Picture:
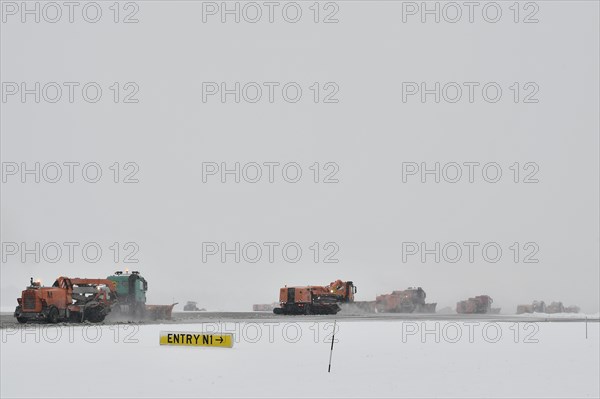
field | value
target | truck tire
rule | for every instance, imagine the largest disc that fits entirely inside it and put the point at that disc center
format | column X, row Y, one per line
column 75, row 317
column 53, row 315
column 97, row 319
column 22, row 320
column 95, row 314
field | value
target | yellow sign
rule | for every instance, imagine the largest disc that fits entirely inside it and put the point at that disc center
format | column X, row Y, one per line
column 178, row 338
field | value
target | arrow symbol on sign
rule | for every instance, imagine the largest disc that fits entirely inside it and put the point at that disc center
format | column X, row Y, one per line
column 220, row 339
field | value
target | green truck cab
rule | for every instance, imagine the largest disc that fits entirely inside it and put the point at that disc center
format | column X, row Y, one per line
column 131, row 293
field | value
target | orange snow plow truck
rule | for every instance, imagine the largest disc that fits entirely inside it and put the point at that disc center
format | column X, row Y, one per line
column 315, row 299
column 69, row 299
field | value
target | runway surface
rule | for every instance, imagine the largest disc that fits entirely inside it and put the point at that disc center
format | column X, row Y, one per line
column 8, row 321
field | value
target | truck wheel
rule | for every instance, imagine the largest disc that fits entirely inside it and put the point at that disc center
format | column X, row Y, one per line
column 95, row 314
column 74, row 317
column 53, row 315
column 22, row 320
column 97, row 318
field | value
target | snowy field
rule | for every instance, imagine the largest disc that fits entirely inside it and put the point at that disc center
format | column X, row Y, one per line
column 289, row 359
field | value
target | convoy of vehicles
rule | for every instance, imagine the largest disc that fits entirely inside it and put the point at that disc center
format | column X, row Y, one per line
column 123, row 295
column 534, row 307
column 541, row 307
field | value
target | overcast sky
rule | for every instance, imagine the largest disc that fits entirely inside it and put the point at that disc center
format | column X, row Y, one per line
column 367, row 127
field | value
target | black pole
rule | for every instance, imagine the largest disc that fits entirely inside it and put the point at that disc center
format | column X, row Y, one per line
column 331, row 350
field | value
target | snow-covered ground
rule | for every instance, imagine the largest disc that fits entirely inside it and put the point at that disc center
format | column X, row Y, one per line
column 289, row 359
column 559, row 315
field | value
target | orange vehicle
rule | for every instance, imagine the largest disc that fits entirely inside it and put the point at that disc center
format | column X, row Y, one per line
column 479, row 304
column 411, row 300
column 535, row 307
column 315, row 299
column 69, row 299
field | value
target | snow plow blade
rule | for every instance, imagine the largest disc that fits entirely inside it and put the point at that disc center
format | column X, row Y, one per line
column 157, row 312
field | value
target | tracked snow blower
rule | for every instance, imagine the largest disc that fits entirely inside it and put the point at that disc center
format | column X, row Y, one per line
column 315, row 299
